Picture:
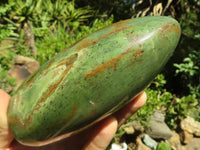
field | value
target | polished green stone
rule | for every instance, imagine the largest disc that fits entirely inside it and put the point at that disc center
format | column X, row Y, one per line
column 92, row 78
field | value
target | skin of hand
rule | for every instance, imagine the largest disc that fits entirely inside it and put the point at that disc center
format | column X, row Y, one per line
column 96, row 137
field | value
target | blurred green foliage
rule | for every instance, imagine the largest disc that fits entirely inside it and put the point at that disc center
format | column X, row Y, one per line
column 163, row 146
column 6, row 81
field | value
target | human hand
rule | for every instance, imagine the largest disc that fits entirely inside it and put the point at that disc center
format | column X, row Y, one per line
column 96, row 137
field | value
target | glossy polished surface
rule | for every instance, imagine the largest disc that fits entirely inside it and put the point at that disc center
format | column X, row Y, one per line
column 92, row 78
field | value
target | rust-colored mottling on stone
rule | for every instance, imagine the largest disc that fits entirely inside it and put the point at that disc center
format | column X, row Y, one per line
column 50, row 63
column 28, row 82
column 118, row 24
column 15, row 121
column 70, row 115
column 70, row 60
column 169, row 28
column 44, row 96
column 109, row 64
column 65, row 120
column 47, row 93
column 86, row 43
column 114, row 30
column 138, row 52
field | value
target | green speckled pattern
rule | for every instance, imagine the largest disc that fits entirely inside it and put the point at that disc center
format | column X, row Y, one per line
column 91, row 78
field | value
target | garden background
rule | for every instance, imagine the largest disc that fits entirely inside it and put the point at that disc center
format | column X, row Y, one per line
column 40, row 29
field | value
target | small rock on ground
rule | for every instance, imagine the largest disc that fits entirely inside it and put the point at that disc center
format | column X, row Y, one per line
column 186, row 137
column 158, row 129
column 191, row 126
column 22, row 68
column 193, row 145
column 175, row 141
column 141, row 145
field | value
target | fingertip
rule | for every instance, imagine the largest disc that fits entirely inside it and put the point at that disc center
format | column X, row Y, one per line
column 140, row 100
column 129, row 109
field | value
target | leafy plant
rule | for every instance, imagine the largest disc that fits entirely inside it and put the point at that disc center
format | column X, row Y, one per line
column 25, row 10
column 158, row 83
column 189, row 71
column 188, row 67
column 163, row 146
column 6, row 25
column 63, row 13
column 179, row 108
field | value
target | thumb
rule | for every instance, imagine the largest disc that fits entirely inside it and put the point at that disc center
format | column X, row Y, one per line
column 6, row 136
